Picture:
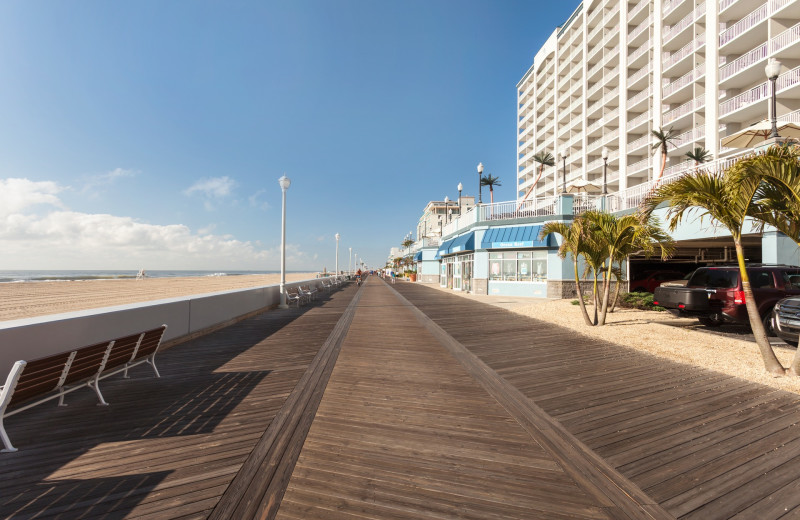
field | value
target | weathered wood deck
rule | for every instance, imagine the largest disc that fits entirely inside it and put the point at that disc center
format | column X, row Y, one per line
column 366, row 406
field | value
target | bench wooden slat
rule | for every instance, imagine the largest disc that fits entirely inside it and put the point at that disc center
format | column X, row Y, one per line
column 88, row 362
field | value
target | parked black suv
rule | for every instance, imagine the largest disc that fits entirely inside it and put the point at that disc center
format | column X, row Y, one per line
column 715, row 296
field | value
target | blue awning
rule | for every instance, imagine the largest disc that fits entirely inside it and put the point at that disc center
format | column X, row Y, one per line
column 443, row 248
column 512, row 237
column 418, row 256
column 465, row 242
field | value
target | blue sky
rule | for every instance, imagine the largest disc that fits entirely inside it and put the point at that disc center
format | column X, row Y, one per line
column 152, row 134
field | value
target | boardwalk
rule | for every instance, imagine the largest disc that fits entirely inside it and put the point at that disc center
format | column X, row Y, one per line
column 408, row 402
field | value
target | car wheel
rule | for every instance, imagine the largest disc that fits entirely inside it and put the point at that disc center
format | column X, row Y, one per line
column 709, row 322
column 768, row 325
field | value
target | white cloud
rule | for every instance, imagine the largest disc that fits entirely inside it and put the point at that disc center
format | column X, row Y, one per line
column 93, row 183
column 17, row 195
column 216, row 187
column 38, row 232
column 255, row 202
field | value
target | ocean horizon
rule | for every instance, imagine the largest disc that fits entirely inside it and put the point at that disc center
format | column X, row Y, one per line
column 42, row 275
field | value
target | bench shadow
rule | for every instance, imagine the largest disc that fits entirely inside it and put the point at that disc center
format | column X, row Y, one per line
column 196, row 391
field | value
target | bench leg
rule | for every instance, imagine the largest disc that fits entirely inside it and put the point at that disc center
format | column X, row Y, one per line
column 152, row 360
column 95, row 385
column 6, row 441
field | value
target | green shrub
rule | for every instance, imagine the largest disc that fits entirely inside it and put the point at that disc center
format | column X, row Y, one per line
column 638, row 300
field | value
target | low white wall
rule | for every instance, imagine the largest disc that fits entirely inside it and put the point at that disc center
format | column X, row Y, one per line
column 33, row 338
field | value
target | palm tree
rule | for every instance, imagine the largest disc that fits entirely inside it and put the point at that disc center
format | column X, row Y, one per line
column 491, row 181
column 407, row 243
column 572, row 244
column 726, row 197
column 699, row 155
column 619, row 237
column 544, row 159
column 777, row 201
column 663, row 139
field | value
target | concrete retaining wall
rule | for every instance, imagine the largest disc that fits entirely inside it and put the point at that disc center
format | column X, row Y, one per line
column 33, row 338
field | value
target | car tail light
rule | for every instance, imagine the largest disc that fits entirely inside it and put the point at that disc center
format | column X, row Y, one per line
column 738, row 297
column 681, row 306
column 655, row 302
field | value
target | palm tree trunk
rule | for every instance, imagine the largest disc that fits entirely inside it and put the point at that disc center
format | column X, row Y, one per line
column 541, row 170
column 616, row 292
column 580, row 292
column 663, row 162
column 771, row 363
column 606, row 293
column 594, row 294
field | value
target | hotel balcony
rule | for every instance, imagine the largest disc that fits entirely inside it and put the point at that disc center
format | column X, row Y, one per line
column 641, row 78
column 677, row 91
column 746, row 107
column 638, row 11
column 672, row 10
column 638, row 144
column 754, row 24
column 635, row 124
column 673, row 116
column 641, row 55
column 640, row 100
column 676, row 63
column 744, row 70
column 640, row 33
column 671, row 33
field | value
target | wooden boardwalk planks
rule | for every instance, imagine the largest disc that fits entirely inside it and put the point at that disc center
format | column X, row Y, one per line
column 169, row 447
column 405, row 432
column 704, row 445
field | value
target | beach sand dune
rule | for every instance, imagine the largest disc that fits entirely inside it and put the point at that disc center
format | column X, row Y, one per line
column 30, row 299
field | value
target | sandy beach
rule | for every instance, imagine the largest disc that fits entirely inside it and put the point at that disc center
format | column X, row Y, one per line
column 29, row 299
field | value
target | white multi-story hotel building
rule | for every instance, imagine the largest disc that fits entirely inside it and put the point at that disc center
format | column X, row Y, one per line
column 618, row 69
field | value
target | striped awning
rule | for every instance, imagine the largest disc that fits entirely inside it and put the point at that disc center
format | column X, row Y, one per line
column 465, row 242
column 513, row 237
column 443, row 248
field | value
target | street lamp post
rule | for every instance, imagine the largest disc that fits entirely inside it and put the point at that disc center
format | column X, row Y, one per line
column 460, row 187
column 480, row 178
column 337, row 254
column 350, row 261
column 564, row 172
column 284, row 183
column 604, row 155
column 773, row 69
column 450, row 215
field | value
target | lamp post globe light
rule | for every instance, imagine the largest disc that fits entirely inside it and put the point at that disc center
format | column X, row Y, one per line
column 604, row 155
column 772, row 70
column 460, row 187
column 284, row 183
column 563, row 154
column 337, row 253
column 480, row 177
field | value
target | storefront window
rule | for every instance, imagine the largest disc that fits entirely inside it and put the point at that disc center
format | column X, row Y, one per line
column 518, row 266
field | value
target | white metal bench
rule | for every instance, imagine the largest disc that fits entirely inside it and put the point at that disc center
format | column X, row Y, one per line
column 34, row 382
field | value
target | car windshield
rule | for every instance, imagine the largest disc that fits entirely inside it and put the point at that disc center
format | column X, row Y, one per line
column 715, row 278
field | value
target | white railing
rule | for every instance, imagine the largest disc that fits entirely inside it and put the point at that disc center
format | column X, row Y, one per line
column 638, row 7
column 774, row 5
column 743, row 62
column 671, row 59
column 638, row 143
column 744, row 24
column 670, row 6
column 639, row 166
column 641, row 118
column 759, row 92
column 640, row 73
column 679, row 83
column 640, row 28
column 791, row 117
column 784, row 39
column 684, row 109
column 638, row 52
column 538, row 207
column 724, row 4
column 671, row 30
column 638, row 97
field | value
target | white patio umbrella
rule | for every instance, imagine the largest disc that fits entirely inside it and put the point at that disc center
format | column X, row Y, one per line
column 583, row 185
column 755, row 134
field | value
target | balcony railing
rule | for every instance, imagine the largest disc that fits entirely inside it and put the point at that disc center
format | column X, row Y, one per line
column 636, row 121
column 641, row 27
column 684, row 109
column 671, row 30
column 784, row 39
column 638, row 7
column 638, row 143
column 679, row 83
column 745, row 24
column 670, row 6
column 675, row 57
column 743, row 62
column 638, row 52
column 639, row 96
column 759, row 92
column 724, row 4
column 640, row 73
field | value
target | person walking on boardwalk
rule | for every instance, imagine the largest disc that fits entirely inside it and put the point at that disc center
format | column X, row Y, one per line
column 393, row 275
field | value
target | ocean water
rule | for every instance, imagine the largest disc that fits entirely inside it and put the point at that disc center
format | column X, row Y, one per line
column 69, row 276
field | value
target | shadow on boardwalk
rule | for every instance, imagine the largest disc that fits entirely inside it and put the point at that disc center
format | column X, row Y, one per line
column 166, row 447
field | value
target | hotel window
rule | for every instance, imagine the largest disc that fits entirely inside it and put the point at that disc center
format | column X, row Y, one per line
column 518, row 266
